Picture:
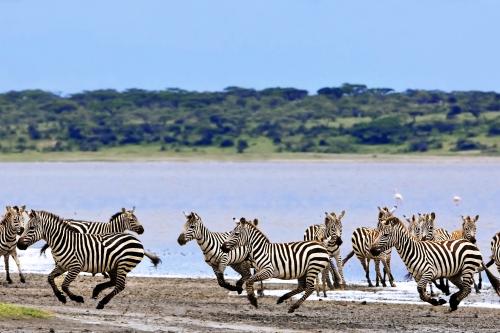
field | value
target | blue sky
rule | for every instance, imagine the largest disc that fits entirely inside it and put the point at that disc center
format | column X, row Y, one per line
column 70, row 46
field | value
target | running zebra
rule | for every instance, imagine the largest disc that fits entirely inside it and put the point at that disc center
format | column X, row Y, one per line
column 298, row 260
column 495, row 252
column 321, row 233
column 456, row 260
column 362, row 240
column 210, row 244
column 74, row 252
column 118, row 223
column 10, row 226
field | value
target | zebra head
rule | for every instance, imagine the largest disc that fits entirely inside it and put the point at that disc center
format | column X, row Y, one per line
column 239, row 236
column 469, row 228
column 14, row 218
column 414, row 224
column 386, row 237
column 427, row 229
column 129, row 220
column 192, row 228
column 384, row 213
column 333, row 225
column 33, row 232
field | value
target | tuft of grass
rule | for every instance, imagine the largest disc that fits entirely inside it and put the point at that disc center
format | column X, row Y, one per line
column 21, row 312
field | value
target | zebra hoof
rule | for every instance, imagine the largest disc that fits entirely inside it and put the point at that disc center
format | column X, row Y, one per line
column 9, row 281
column 441, row 301
column 22, row 280
column 61, row 298
column 253, row 300
column 78, row 299
column 239, row 290
column 292, row 309
column 393, row 285
column 100, row 306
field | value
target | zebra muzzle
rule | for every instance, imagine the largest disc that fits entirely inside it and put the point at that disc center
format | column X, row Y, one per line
column 339, row 241
column 22, row 244
column 225, row 248
column 375, row 251
column 182, row 239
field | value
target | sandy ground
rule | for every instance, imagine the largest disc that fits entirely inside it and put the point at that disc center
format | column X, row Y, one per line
column 193, row 305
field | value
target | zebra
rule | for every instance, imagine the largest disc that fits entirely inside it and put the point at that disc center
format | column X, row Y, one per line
column 457, row 260
column 74, row 252
column 118, row 223
column 321, row 233
column 11, row 226
column 495, row 252
column 362, row 239
column 210, row 244
column 467, row 232
column 298, row 260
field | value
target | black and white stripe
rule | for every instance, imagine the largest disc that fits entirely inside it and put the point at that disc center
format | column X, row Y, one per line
column 74, row 252
column 210, row 244
column 298, row 260
column 495, row 251
column 11, row 226
column 456, row 260
column 362, row 240
column 322, row 233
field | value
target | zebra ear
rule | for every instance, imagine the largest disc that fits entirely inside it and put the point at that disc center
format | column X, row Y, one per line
column 393, row 220
column 123, row 210
column 380, row 214
column 342, row 213
column 255, row 222
column 133, row 209
column 23, row 208
column 433, row 216
column 476, row 218
column 7, row 208
column 32, row 213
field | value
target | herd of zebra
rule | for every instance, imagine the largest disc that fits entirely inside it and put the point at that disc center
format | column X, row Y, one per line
column 429, row 254
column 76, row 246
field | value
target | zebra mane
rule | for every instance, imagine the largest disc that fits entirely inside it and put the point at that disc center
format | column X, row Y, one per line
column 115, row 216
column 251, row 225
column 5, row 218
column 58, row 219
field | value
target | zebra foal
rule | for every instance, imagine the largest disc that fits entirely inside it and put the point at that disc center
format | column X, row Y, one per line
column 11, row 226
column 74, row 252
column 457, row 260
column 210, row 244
column 298, row 260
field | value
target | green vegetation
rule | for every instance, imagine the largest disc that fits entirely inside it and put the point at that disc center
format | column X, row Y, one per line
column 350, row 119
column 21, row 312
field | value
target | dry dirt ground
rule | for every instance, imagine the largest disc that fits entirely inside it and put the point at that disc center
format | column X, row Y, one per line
column 200, row 305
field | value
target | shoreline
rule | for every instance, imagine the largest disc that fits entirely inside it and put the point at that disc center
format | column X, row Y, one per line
column 200, row 305
column 242, row 158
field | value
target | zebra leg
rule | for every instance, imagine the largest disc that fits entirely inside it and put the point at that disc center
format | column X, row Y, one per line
column 244, row 270
column 325, row 276
column 263, row 274
column 379, row 276
column 16, row 259
column 464, row 284
column 444, row 287
column 337, row 278
column 387, row 269
column 300, row 288
column 309, row 288
column 366, row 267
column 70, row 277
column 44, row 248
column 340, row 267
column 422, row 290
column 121, row 275
column 7, row 274
column 57, row 271
column 101, row 286
column 477, row 287
column 316, row 285
column 329, row 283
column 221, row 281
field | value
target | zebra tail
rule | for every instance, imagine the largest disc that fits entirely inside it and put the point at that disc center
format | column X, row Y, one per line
column 349, row 256
column 154, row 258
column 490, row 262
column 495, row 283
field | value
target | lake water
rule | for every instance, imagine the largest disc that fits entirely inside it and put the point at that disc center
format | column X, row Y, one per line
column 285, row 196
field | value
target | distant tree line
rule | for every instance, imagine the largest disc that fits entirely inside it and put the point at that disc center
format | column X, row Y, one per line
column 347, row 119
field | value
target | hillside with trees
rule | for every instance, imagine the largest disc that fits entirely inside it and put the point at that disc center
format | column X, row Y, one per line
column 351, row 118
